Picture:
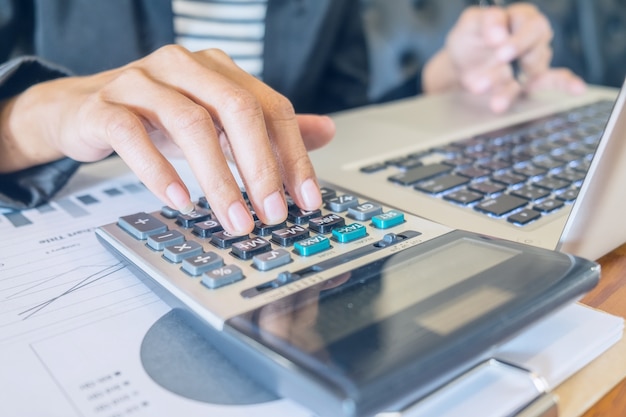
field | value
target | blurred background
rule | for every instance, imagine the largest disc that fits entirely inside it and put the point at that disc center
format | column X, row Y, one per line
column 589, row 38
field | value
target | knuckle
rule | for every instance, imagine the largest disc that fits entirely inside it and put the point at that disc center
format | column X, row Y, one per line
column 130, row 75
column 217, row 54
column 280, row 107
column 242, row 102
column 191, row 118
column 171, row 53
column 122, row 128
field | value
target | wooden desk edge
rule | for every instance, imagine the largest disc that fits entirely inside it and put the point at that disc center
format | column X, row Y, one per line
column 602, row 384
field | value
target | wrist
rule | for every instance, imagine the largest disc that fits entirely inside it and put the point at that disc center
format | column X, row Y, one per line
column 22, row 144
column 440, row 74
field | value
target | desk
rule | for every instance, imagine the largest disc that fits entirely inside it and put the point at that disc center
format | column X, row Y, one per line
column 610, row 296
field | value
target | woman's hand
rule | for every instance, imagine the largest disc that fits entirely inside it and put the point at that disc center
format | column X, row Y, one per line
column 481, row 50
column 174, row 101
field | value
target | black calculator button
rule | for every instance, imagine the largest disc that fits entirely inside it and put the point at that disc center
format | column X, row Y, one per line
column 298, row 216
column 248, row 248
column 207, row 228
column 189, row 219
column 326, row 224
column 263, row 229
column 225, row 240
column 289, row 235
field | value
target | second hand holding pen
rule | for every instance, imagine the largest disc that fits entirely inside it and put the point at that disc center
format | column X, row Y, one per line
column 500, row 3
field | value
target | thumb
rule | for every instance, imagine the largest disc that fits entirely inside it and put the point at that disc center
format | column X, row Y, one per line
column 316, row 130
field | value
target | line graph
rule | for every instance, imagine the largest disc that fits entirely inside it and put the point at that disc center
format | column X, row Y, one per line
column 106, row 271
column 55, row 276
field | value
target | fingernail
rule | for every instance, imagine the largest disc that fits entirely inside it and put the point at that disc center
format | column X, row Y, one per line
column 240, row 218
column 275, row 208
column 310, row 193
column 179, row 197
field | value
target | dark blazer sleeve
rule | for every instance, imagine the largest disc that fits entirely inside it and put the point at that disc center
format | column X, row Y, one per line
column 56, row 38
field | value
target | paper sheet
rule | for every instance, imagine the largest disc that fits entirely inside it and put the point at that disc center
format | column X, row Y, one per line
column 73, row 318
column 81, row 336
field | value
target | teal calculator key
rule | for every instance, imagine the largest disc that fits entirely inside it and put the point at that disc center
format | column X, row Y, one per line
column 389, row 219
column 349, row 232
column 312, row 245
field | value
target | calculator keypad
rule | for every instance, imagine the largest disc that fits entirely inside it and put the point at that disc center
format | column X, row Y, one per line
column 192, row 252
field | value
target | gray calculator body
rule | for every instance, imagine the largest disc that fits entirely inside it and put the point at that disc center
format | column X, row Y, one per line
column 364, row 325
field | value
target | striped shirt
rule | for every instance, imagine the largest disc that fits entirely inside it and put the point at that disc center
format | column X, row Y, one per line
column 235, row 26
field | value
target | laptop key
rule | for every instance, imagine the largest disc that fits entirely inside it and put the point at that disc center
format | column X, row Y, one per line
column 548, row 205
column 441, row 184
column 530, row 192
column 421, row 173
column 500, row 205
column 463, row 197
column 486, row 187
column 551, row 183
column 568, row 195
column 524, row 217
column 509, row 178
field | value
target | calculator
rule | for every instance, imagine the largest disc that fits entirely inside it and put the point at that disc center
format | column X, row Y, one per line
column 353, row 309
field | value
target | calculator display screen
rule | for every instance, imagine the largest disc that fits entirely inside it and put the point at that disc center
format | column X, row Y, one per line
column 403, row 306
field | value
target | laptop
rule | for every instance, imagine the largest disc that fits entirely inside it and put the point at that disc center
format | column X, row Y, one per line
column 551, row 172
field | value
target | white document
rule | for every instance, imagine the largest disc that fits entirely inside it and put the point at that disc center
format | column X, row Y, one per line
column 81, row 336
column 73, row 318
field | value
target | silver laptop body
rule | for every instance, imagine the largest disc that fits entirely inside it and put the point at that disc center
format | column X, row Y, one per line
column 590, row 226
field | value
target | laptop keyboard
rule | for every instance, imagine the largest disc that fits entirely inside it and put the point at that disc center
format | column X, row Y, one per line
column 520, row 173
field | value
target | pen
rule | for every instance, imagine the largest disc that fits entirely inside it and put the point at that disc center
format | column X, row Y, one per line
column 487, row 3
column 500, row 3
